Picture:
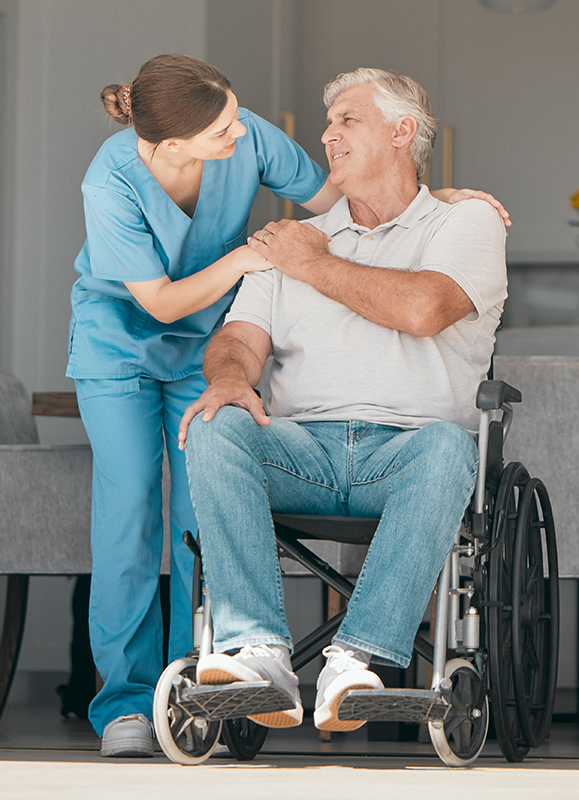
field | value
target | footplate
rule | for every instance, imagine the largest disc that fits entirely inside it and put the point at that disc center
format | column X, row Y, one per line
column 233, row 700
column 393, row 705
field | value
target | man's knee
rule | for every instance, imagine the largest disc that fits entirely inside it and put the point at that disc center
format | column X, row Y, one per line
column 447, row 447
column 208, row 441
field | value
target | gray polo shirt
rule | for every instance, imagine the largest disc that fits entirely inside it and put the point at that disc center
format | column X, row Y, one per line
column 329, row 363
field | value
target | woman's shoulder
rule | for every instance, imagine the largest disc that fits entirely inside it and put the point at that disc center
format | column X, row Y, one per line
column 255, row 124
column 116, row 153
column 263, row 137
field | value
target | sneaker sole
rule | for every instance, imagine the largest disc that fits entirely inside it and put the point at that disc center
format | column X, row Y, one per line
column 326, row 716
column 218, row 675
column 130, row 748
column 280, row 719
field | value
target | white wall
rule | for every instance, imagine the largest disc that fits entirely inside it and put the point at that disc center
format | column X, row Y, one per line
column 68, row 50
column 60, row 54
column 509, row 83
column 253, row 43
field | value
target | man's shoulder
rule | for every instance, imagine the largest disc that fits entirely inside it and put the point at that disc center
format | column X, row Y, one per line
column 476, row 210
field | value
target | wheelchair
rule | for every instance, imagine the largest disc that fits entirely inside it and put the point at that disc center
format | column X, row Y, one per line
column 495, row 638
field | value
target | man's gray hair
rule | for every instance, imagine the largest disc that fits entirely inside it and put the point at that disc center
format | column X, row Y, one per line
column 396, row 96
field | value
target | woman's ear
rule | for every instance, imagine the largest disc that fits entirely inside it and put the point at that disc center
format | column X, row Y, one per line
column 171, row 145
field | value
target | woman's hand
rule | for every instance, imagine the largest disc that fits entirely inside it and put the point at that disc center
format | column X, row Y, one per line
column 250, row 261
column 456, row 195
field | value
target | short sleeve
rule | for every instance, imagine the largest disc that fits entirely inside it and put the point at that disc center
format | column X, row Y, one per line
column 254, row 301
column 284, row 166
column 469, row 247
column 121, row 246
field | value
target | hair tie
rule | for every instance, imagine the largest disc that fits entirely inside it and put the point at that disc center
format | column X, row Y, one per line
column 127, row 98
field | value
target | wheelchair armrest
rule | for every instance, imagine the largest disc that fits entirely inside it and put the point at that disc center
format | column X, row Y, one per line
column 494, row 395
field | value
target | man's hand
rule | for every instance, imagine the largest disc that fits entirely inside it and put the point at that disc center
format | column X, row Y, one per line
column 223, row 392
column 293, row 247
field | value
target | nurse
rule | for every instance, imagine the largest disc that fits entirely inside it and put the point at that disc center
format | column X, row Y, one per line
column 166, row 207
column 166, row 203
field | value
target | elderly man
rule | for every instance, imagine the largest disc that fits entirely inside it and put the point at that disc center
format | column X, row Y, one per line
column 380, row 318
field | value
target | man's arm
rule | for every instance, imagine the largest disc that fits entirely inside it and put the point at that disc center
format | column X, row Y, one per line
column 419, row 303
column 233, row 364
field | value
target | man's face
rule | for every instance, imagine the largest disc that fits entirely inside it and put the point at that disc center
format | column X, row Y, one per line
column 357, row 139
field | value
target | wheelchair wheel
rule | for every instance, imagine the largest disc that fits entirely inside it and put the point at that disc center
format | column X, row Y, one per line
column 499, row 627
column 244, row 738
column 535, row 615
column 461, row 737
column 185, row 739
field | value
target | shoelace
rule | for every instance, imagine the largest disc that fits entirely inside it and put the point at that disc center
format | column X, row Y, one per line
column 341, row 660
column 260, row 651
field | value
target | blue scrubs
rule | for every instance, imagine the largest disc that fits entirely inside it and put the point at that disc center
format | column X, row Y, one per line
column 135, row 376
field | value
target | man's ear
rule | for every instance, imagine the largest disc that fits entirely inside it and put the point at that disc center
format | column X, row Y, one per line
column 404, row 131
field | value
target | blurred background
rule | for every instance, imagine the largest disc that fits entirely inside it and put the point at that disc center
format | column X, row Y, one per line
column 504, row 85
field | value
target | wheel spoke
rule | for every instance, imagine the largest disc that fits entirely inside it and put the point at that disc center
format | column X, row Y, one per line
column 533, row 660
column 185, row 727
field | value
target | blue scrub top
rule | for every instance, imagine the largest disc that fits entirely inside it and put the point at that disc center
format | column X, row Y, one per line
column 135, row 232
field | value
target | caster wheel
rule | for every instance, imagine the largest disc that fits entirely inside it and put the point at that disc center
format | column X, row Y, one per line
column 461, row 737
column 185, row 739
column 244, row 738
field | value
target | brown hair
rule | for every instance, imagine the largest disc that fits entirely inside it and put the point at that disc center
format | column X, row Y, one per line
column 173, row 96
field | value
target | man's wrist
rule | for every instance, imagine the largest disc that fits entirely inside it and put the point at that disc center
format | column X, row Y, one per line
column 319, row 269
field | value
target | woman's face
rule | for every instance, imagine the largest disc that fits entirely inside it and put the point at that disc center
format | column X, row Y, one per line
column 218, row 140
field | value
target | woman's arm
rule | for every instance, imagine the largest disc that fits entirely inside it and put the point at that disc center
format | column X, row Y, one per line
column 323, row 200
column 329, row 194
column 168, row 300
column 456, row 195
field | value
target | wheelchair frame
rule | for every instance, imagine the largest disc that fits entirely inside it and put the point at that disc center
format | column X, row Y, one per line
column 502, row 643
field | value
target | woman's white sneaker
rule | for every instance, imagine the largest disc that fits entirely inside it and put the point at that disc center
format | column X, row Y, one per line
column 342, row 673
column 130, row 736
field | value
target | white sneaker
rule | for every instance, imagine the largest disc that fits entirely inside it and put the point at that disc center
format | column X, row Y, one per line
column 252, row 664
column 341, row 673
column 130, row 736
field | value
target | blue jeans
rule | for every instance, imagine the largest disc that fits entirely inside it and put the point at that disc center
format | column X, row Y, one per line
column 417, row 481
column 127, row 422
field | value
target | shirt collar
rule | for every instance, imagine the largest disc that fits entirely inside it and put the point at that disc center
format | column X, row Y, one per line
column 339, row 217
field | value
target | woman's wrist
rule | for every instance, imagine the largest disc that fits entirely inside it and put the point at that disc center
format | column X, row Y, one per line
column 236, row 264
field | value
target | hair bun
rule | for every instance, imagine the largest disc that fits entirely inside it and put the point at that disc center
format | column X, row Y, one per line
column 116, row 101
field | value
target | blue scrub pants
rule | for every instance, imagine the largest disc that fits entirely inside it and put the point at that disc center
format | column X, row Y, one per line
column 125, row 420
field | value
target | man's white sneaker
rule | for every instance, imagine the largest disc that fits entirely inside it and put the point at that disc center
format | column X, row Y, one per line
column 252, row 664
column 342, row 672
column 130, row 736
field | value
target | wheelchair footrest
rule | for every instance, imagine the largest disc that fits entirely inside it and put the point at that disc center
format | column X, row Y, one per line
column 232, row 700
column 393, row 705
